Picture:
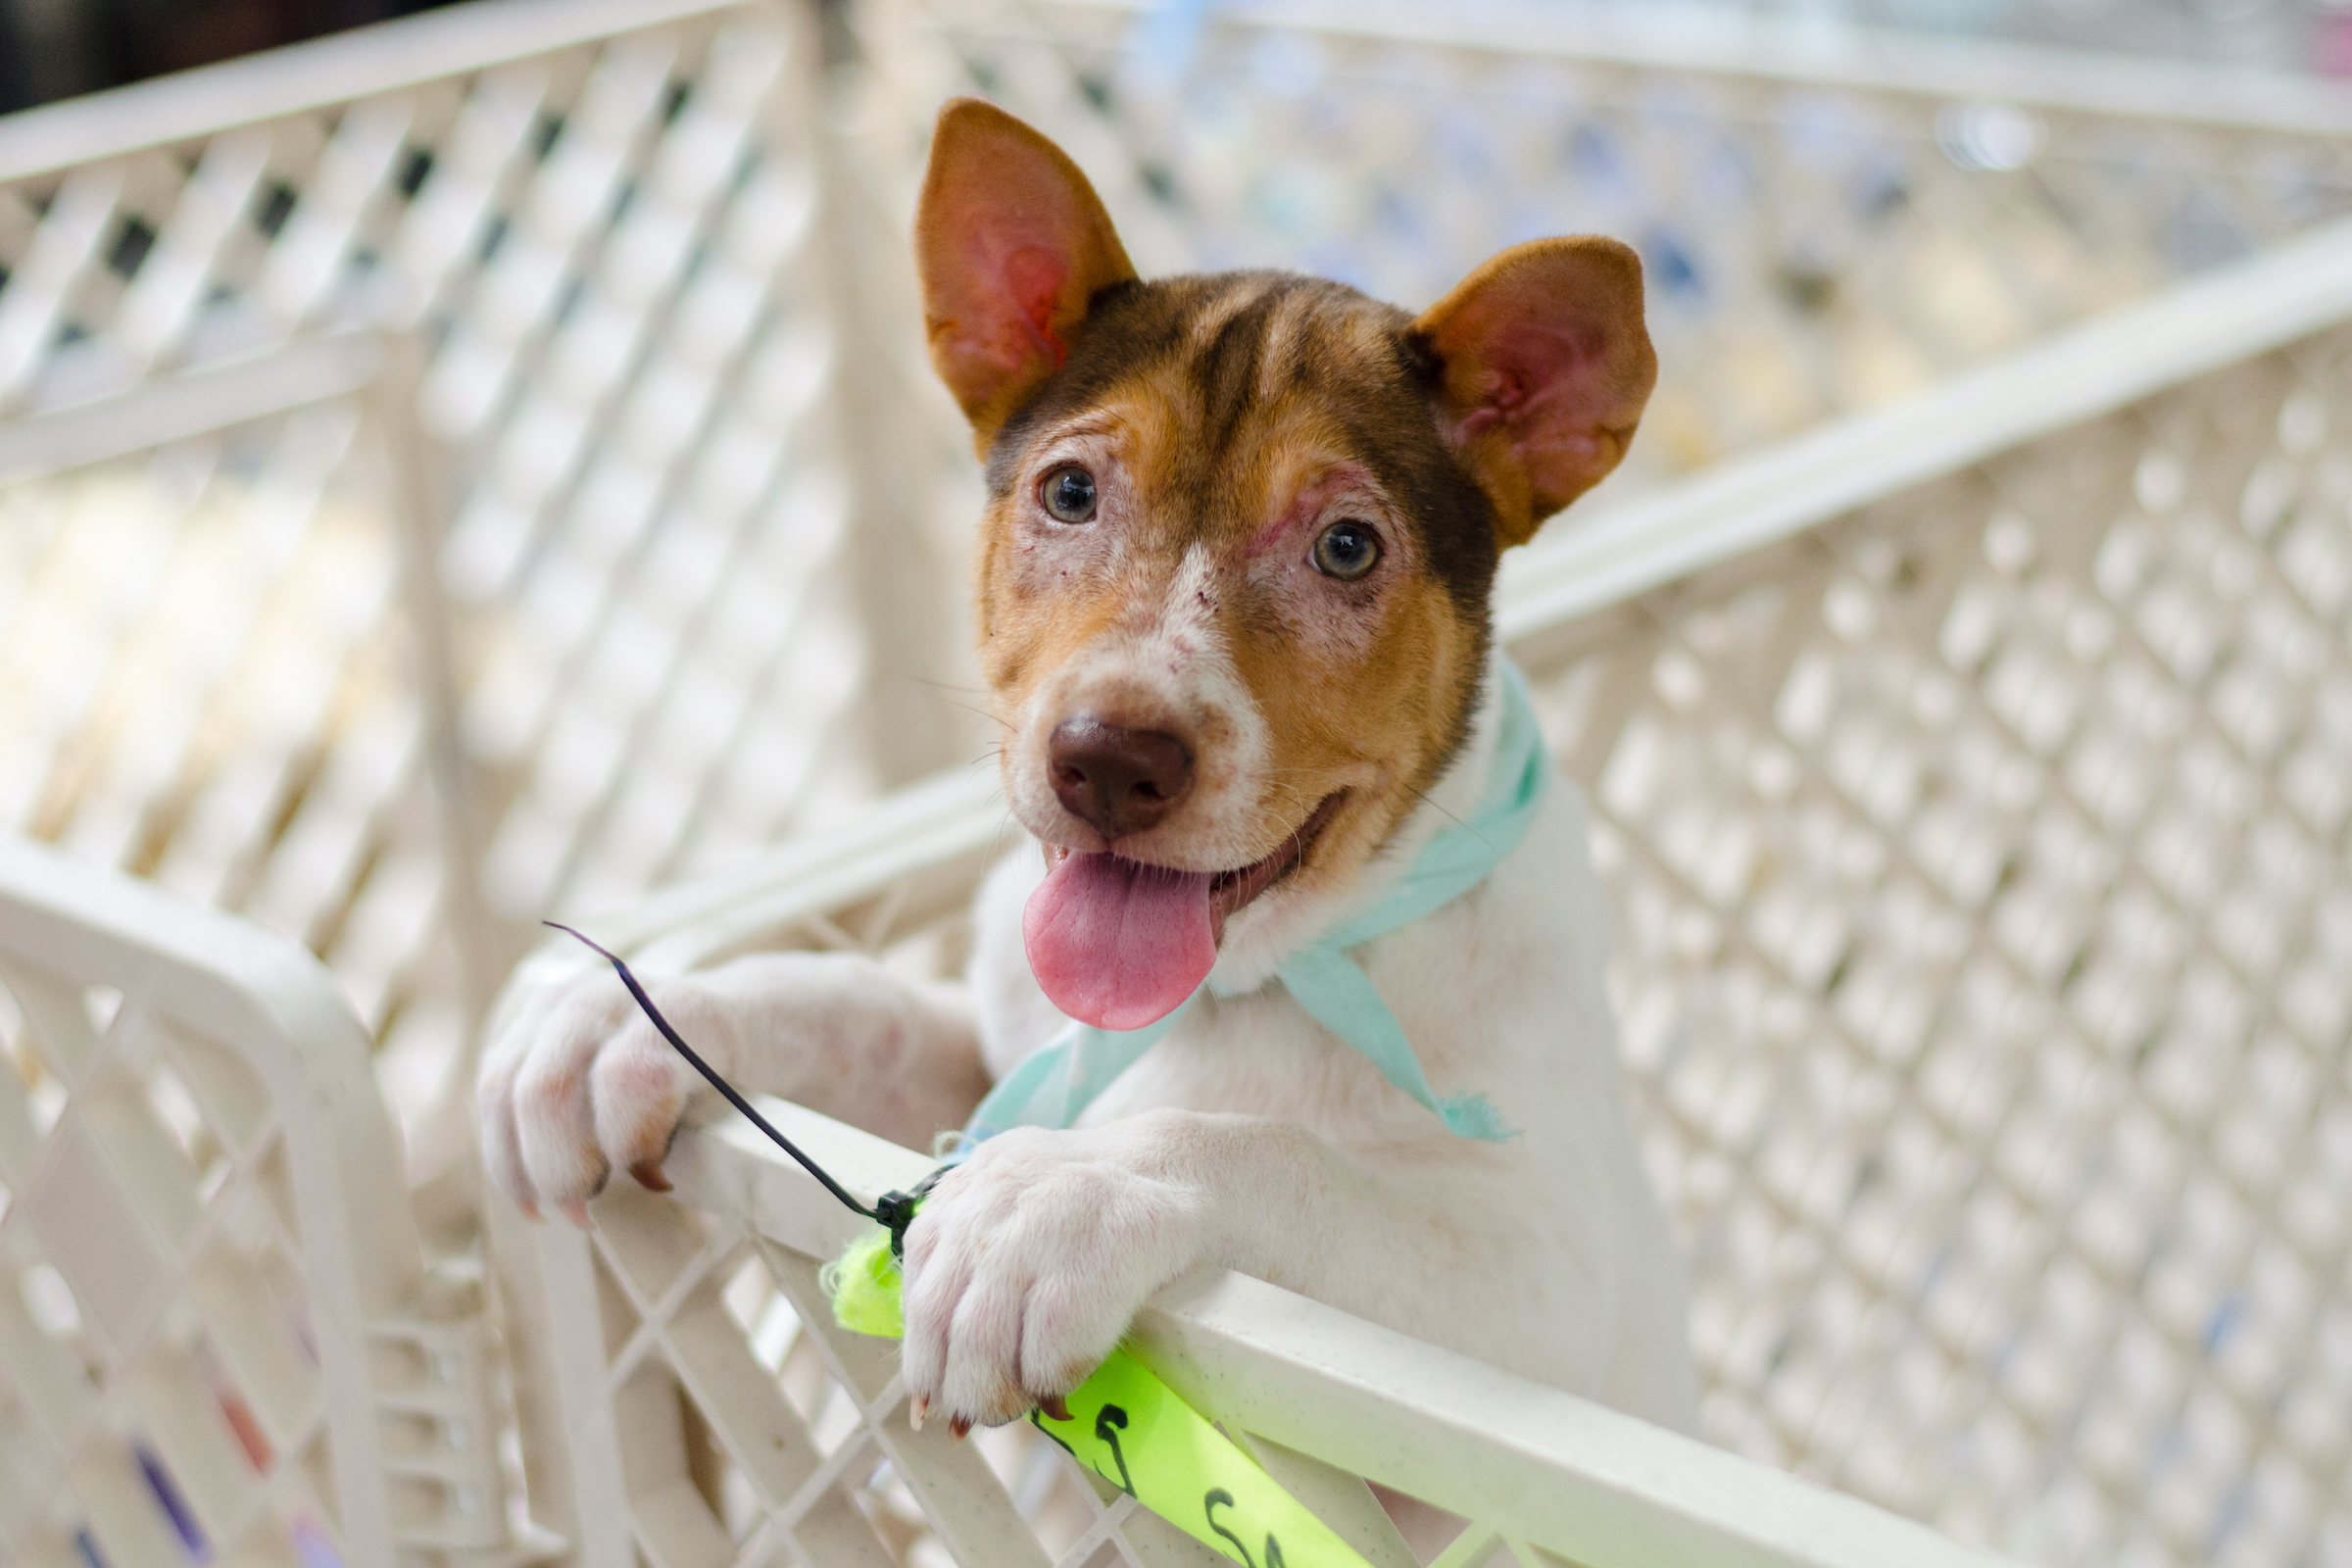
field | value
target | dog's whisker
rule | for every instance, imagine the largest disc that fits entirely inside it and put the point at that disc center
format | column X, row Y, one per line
column 983, row 714
column 926, row 680
column 1431, row 802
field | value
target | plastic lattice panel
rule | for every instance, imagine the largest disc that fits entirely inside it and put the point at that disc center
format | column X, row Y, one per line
column 611, row 250
column 675, row 659
column 218, row 1343
column 1812, row 246
column 207, row 677
column 708, row 509
column 1980, row 861
column 161, row 1396
column 752, row 1430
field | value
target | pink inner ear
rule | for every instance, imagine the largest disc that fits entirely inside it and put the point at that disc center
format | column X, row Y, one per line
column 1541, row 385
column 1033, row 278
column 1007, row 314
column 1533, row 373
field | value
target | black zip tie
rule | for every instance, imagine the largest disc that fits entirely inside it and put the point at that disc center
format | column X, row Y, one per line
column 893, row 1212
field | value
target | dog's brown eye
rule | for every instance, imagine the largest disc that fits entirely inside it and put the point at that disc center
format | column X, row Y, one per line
column 1347, row 551
column 1067, row 494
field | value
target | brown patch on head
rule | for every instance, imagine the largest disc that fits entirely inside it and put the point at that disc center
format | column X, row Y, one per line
column 1294, row 502
column 1235, row 363
column 1226, row 423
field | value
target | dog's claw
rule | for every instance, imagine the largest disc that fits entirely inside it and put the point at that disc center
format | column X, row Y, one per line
column 1054, row 1405
column 650, row 1176
column 576, row 1212
column 961, row 1425
column 916, row 1408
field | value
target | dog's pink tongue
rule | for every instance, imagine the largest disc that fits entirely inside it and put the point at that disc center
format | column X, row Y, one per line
column 1117, row 943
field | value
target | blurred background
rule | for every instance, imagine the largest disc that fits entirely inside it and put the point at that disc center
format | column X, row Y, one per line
column 697, row 514
column 57, row 48
column 482, row 466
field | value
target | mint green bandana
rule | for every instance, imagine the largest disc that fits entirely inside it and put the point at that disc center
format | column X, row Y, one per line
column 1055, row 1083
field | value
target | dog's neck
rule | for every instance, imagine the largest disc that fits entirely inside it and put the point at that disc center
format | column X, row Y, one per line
column 1258, row 939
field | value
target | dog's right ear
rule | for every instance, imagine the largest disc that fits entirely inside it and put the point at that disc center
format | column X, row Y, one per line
column 1011, row 244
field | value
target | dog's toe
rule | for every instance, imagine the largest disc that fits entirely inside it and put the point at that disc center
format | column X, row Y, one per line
column 1026, row 1267
column 580, row 1086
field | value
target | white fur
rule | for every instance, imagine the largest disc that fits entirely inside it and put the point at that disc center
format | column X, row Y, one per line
column 1164, row 666
column 1249, row 1138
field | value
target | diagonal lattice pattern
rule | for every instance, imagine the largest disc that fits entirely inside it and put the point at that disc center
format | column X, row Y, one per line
column 704, row 508
column 157, row 1370
column 1981, row 864
column 207, row 677
column 209, row 1343
column 607, row 247
column 1979, row 860
column 716, row 1416
column 1813, row 246
column 755, row 1429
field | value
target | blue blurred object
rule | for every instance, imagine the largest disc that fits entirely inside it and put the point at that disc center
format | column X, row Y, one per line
column 175, row 1507
column 313, row 1545
column 1672, row 264
column 1160, row 48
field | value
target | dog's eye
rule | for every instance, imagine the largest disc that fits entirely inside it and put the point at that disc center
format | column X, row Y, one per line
column 1067, row 494
column 1347, row 551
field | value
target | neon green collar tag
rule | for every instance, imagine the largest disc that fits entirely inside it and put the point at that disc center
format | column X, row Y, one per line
column 1132, row 1430
column 1126, row 1425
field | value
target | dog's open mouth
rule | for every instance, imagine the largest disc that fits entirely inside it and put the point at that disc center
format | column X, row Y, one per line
column 1119, row 944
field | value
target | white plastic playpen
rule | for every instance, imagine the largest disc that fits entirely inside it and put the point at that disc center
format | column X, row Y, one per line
column 483, row 466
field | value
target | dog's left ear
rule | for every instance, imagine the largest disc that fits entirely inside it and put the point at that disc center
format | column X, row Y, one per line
column 1545, row 367
column 1012, row 245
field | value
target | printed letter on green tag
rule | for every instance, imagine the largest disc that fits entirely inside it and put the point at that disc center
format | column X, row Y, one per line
column 1131, row 1429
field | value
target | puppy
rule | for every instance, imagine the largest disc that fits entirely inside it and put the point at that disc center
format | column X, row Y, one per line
column 1234, row 578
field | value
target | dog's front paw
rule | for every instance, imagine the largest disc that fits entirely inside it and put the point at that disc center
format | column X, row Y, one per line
column 1027, row 1263
column 578, row 1085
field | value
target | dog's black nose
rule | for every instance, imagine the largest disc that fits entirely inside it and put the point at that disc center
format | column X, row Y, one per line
column 1117, row 780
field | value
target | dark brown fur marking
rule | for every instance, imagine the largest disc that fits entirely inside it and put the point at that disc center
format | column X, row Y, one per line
column 1359, row 358
column 1228, row 418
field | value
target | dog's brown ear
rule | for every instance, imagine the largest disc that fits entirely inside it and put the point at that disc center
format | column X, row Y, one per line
column 1547, row 365
column 1011, row 243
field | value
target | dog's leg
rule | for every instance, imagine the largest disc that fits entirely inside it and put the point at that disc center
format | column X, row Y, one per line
column 579, row 1085
column 1029, row 1261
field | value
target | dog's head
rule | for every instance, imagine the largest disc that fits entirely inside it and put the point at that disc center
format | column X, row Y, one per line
column 1241, row 537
